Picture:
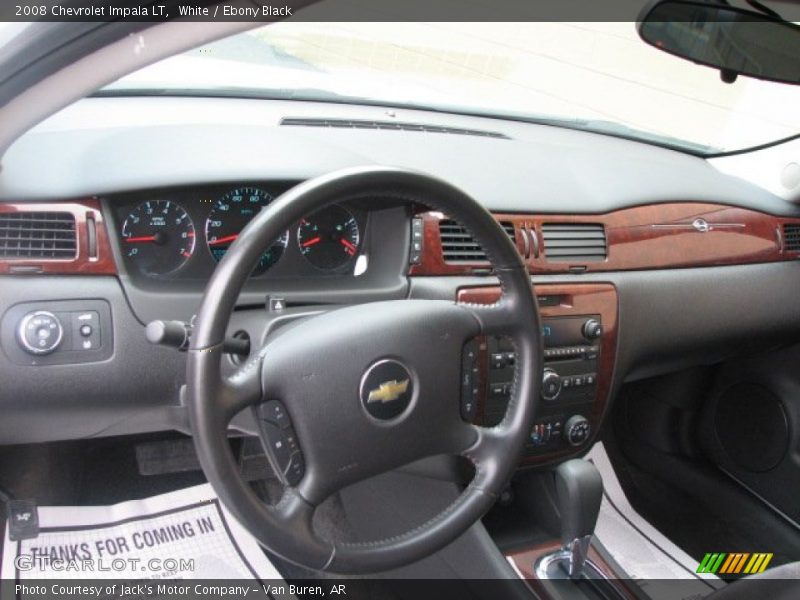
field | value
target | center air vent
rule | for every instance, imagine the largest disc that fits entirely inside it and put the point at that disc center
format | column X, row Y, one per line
column 574, row 242
column 388, row 126
column 47, row 235
column 458, row 245
column 791, row 235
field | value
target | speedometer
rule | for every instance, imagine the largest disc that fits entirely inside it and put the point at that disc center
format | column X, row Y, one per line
column 230, row 215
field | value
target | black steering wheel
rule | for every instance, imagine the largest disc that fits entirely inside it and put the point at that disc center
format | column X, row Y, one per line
column 378, row 388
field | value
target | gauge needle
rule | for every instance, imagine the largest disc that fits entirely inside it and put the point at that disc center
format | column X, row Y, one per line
column 312, row 241
column 223, row 240
column 141, row 238
column 350, row 247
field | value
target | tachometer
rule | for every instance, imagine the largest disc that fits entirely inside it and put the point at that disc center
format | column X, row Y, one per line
column 158, row 236
column 329, row 238
column 230, row 215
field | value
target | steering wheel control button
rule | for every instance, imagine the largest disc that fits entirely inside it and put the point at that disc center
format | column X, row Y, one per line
column 278, row 446
column 387, row 389
column 274, row 412
column 470, row 372
column 295, row 469
column 577, row 430
column 40, row 332
column 280, row 441
column 551, row 385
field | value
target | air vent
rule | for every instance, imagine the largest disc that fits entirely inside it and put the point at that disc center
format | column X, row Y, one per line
column 458, row 245
column 47, row 235
column 791, row 236
column 574, row 242
column 389, row 126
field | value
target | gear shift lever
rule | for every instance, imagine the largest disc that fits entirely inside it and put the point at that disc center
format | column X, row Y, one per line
column 580, row 490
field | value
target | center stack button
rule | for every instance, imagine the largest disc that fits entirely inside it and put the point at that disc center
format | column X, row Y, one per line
column 551, row 385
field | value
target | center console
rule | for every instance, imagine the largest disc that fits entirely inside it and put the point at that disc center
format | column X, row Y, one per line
column 579, row 332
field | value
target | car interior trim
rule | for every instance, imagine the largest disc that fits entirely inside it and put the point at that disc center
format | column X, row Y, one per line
column 654, row 236
column 93, row 256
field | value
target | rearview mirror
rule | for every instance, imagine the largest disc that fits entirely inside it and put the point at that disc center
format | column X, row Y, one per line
column 733, row 40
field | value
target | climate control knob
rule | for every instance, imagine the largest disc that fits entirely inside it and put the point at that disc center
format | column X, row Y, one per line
column 577, row 430
column 592, row 329
column 551, row 385
column 39, row 332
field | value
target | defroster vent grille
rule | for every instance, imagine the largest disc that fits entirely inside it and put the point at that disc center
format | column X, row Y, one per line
column 388, row 126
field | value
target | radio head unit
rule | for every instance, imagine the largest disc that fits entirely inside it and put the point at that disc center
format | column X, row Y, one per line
column 569, row 386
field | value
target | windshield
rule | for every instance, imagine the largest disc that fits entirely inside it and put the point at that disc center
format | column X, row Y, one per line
column 596, row 76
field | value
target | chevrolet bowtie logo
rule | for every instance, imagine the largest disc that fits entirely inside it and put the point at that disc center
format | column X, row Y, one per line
column 388, row 391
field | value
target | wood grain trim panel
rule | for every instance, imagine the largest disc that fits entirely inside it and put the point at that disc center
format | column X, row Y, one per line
column 525, row 559
column 655, row 236
column 577, row 299
column 83, row 264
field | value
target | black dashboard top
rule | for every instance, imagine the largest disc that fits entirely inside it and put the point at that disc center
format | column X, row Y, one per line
column 121, row 144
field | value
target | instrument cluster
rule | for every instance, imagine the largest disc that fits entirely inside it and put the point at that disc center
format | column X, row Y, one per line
column 180, row 233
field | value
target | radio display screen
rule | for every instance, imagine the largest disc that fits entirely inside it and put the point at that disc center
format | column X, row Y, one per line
column 565, row 331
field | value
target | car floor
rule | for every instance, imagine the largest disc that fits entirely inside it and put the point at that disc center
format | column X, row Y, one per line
column 84, row 473
column 691, row 501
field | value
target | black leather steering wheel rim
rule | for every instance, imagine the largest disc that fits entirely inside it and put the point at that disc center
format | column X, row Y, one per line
column 417, row 332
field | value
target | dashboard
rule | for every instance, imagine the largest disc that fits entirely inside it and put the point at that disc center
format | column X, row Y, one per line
column 613, row 238
column 163, row 244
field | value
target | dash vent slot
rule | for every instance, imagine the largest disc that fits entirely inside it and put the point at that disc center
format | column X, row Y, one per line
column 791, row 236
column 574, row 242
column 458, row 245
column 38, row 235
column 388, row 126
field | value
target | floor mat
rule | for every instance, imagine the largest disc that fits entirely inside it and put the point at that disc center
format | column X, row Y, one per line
column 186, row 534
column 639, row 548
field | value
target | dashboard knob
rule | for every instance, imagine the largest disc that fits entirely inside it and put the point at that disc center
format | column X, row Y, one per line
column 551, row 385
column 592, row 329
column 577, row 430
column 39, row 332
